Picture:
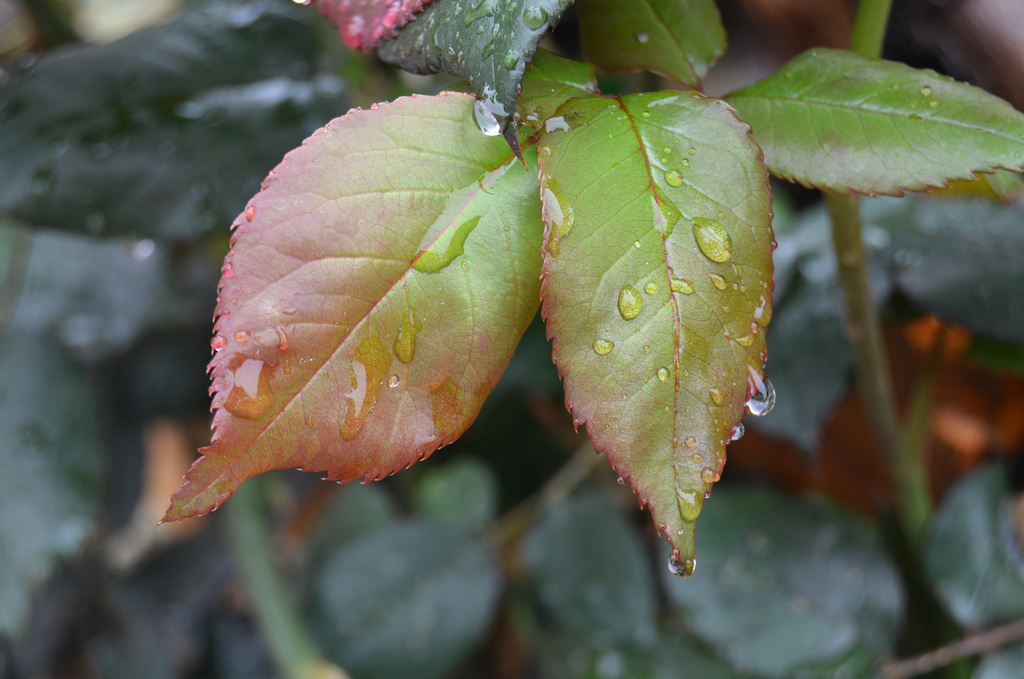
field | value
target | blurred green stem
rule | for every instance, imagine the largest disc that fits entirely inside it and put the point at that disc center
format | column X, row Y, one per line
column 287, row 639
column 869, row 28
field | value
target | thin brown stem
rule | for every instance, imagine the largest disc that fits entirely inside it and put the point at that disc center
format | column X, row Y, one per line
column 973, row 645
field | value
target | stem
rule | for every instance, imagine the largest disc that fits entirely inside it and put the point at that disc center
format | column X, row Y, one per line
column 287, row 639
column 869, row 28
column 975, row 644
column 874, row 379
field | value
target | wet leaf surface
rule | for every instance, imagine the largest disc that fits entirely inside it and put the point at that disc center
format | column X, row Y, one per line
column 164, row 133
column 50, row 468
column 832, row 119
column 488, row 43
column 548, row 83
column 657, row 286
column 408, row 600
column 375, row 291
column 679, row 39
column 364, row 23
column 789, row 583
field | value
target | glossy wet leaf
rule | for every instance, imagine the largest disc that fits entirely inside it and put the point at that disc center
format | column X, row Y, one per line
column 364, row 23
column 488, row 43
column 165, row 132
column 549, row 81
column 374, row 293
column 836, row 120
column 960, row 260
column 972, row 555
column 587, row 570
column 679, row 39
column 409, row 600
column 789, row 583
column 50, row 468
column 657, row 285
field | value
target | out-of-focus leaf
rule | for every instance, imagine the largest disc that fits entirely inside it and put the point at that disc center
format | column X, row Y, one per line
column 364, row 23
column 354, row 512
column 96, row 297
column 49, row 467
column 679, row 39
column 832, row 119
column 587, row 568
column 549, row 81
column 787, row 583
column 487, row 43
column 1002, row 664
column 164, row 133
column 410, row 600
column 960, row 260
column 375, row 291
column 997, row 356
column 657, row 286
column 971, row 554
column 462, row 492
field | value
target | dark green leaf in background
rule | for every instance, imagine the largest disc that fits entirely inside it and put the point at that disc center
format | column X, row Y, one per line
column 464, row 491
column 972, row 554
column 487, row 43
column 786, row 583
column 588, row 572
column 50, row 468
column 409, row 600
column 166, row 132
column 832, row 119
column 679, row 39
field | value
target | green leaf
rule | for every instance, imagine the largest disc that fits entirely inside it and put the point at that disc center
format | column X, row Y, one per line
column 464, row 491
column 970, row 553
column 164, row 133
column 788, row 583
column 657, row 286
column 832, row 119
column 487, row 43
column 353, row 512
column 679, row 39
column 587, row 568
column 549, row 82
column 1004, row 663
column 409, row 600
column 960, row 260
column 50, row 468
column 374, row 293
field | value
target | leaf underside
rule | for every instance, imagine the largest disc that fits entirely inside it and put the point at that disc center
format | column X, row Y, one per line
column 487, row 43
column 679, row 39
column 832, row 119
column 656, row 286
column 364, row 23
column 374, row 293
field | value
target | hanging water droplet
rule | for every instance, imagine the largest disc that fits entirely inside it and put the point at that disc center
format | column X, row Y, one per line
column 682, row 567
column 621, row 481
column 603, row 346
column 630, row 302
column 485, row 120
column 218, row 342
column 760, row 394
column 534, row 17
column 650, row 287
column 663, row 374
column 674, row 178
column 712, row 239
column 737, row 432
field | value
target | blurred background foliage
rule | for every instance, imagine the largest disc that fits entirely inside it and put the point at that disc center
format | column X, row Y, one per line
column 133, row 131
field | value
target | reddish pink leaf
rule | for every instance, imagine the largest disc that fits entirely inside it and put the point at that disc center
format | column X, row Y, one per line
column 375, row 290
column 363, row 24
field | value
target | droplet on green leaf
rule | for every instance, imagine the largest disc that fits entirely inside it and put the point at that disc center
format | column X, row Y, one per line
column 603, row 346
column 712, row 239
column 405, row 339
column 429, row 261
column 674, row 178
column 534, row 17
column 629, row 302
column 650, row 287
column 683, row 286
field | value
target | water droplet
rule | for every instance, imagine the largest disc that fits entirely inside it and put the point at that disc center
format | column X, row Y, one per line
column 241, row 336
column 218, row 342
column 558, row 214
column 250, row 213
column 556, row 124
column 690, row 442
column 685, row 162
column 674, row 178
column 933, row 104
column 692, row 151
column 683, row 286
column 697, row 458
column 642, row 38
column 737, row 432
column 760, row 394
column 534, row 17
column 663, row 374
column 712, row 239
column 715, row 395
column 405, row 338
column 621, row 481
column 394, row 381
column 282, row 339
column 511, row 60
column 251, row 395
column 630, row 302
column 485, row 119
column 370, row 362
column 603, row 346
column 718, row 281
column 431, row 261
column 743, row 341
column 650, row 287
column 682, row 567
column 707, row 475
column 485, row 8
column 228, row 270
column 926, row 91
